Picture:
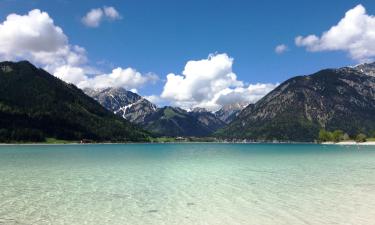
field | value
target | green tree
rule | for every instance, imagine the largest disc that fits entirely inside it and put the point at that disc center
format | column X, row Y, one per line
column 337, row 135
column 325, row 136
column 361, row 137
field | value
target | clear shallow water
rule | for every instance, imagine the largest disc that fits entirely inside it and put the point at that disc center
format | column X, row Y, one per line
column 187, row 184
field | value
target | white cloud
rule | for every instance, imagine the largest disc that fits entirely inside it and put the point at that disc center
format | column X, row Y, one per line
column 128, row 78
column 95, row 16
column 355, row 34
column 33, row 32
column 111, row 13
column 36, row 38
column 70, row 74
column 280, row 49
column 209, row 83
column 250, row 94
column 155, row 99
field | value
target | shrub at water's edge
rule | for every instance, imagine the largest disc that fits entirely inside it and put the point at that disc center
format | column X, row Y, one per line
column 339, row 136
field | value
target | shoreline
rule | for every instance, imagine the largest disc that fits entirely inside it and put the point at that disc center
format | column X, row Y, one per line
column 168, row 142
column 369, row 143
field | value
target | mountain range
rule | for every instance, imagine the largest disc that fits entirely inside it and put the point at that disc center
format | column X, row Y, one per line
column 165, row 121
column 229, row 112
column 35, row 105
column 127, row 104
column 331, row 99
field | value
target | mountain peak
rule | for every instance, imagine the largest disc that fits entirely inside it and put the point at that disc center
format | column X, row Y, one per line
column 106, row 89
column 199, row 110
column 366, row 68
column 127, row 104
column 174, row 121
column 228, row 112
column 8, row 66
column 298, row 108
column 235, row 106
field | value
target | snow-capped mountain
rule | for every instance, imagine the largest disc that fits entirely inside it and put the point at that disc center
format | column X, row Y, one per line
column 166, row 121
column 129, row 105
column 366, row 68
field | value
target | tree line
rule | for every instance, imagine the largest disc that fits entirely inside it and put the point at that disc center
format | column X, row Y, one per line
column 339, row 135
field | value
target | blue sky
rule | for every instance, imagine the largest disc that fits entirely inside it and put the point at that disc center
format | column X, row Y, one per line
column 162, row 36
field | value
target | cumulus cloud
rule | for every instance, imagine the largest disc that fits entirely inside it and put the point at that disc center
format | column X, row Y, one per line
column 353, row 34
column 111, row 13
column 95, row 16
column 280, row 49
column 156, row 99
column 250, row 94
column 128, row 78
column 209, row 83
column 36, row 38
column 70, row 74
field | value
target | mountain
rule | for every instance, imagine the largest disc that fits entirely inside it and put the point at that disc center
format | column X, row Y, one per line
column 229, row 112
column 366, row 68
column 172, row 121
column 167, row 121
column 127, row 104
column 208, row 119
column 35, row 105
column 298, row 108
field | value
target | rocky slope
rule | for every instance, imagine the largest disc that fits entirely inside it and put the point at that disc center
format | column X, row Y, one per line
column 173, row 121
column 297, row 109
column 366, row 68
column 35, row 105
column 229, row 112
column 208, row 119
column 167, row 121
column 127, row 104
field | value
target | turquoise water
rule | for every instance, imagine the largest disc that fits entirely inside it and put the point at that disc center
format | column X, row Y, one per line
column 181, row 184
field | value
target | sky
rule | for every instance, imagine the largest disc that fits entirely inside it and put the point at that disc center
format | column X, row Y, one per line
column 196, row 53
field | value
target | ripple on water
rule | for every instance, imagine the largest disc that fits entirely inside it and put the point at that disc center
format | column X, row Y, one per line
column 186, row 184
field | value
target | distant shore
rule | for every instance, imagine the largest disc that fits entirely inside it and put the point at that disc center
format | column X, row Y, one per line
column 349, row 143
column 368, row 143
column 169, row 141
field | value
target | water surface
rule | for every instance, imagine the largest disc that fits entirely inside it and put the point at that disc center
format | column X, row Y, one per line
column 187, row 184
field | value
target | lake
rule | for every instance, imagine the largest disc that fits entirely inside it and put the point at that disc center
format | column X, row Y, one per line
column 260, row 184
